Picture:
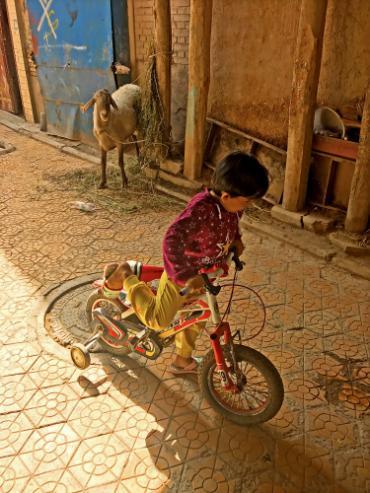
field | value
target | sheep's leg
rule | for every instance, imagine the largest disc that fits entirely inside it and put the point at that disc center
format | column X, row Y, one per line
column 103, row 162
column 134, row 139
column 122, row 165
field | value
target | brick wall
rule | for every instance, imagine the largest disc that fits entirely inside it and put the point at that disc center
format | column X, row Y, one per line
column 180, row 11
column 144, row 28
column 144, row 31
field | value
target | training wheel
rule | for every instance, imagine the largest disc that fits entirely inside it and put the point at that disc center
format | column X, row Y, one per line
column 80, row 356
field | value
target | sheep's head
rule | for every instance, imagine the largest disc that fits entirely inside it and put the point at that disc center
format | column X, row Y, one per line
column 103, row 101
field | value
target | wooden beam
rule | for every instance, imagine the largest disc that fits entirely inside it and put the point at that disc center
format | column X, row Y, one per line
column 163, row 42
column 247, row 136
column 303, row 101
column 359, row 198
column 17, row 33
column 199, row 73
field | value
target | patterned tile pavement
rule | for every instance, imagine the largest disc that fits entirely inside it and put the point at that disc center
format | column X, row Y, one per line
column 129, row 426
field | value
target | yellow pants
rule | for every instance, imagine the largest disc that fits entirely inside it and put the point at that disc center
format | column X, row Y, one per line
column 158, row 311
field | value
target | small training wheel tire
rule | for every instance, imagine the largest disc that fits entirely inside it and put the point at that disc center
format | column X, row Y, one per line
column 80, row 356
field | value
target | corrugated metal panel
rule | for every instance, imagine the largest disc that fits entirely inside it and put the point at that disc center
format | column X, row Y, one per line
column 72, row 43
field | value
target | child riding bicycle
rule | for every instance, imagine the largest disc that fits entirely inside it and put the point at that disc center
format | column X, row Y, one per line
column 200, row 236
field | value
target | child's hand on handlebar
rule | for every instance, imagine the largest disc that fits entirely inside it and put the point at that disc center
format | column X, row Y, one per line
column 238, row 246
column 236, row 249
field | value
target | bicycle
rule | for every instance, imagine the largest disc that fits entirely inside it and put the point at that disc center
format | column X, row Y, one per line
column 238, row 381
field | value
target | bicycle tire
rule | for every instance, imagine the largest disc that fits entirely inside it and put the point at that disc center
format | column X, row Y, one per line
column 122, row 351
column 264, row 366
column 94, row 297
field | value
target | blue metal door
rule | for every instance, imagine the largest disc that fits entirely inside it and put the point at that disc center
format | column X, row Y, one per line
column 73, row 47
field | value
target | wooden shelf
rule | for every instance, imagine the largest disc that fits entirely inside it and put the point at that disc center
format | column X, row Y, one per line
column 351, row 123
column 335, row 147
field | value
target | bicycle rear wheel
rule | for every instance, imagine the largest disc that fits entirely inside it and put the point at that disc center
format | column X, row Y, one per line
column 97, row 300
column 113, row 308
column 261, row 393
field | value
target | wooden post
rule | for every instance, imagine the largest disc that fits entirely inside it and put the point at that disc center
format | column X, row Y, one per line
column 163, row 43
column 359, row 198
column 303, row 102
column 15, row 24
column 199, row 70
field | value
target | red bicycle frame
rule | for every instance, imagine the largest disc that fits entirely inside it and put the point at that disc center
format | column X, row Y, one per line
column 222, row 330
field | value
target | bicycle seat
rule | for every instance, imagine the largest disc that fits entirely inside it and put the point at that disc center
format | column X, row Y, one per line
column 150, row 273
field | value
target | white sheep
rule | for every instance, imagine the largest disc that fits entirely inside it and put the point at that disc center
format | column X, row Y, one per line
column 112, row 127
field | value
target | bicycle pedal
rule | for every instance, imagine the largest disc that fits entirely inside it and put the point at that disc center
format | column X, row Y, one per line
column 134, row 341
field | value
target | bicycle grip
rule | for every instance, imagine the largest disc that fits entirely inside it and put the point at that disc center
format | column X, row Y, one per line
column 238, row 263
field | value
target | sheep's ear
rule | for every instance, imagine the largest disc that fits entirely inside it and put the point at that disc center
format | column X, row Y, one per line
column 87, row 106
column 113, row 103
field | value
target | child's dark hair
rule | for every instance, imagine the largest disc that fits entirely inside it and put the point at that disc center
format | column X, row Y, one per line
column 240, row 174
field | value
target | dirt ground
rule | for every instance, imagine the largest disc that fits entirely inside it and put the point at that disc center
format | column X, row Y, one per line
column 142, row 429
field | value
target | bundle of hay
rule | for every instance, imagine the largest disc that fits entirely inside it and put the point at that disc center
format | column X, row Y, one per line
column 151, row 116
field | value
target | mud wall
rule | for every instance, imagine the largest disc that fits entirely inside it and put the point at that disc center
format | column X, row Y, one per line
column 345, row 68
column 252, row 54
column 252, row 50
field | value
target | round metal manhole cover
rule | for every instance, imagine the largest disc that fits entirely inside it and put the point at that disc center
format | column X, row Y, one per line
column 66, row 322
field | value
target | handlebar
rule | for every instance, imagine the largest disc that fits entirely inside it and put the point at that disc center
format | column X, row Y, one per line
column 209, row 286
column 239, row 264
column 232, row 257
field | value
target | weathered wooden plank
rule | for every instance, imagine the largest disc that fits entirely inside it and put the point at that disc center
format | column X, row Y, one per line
column 303, row 102
column 199, row 74
column 359, row 199
column 163, row 38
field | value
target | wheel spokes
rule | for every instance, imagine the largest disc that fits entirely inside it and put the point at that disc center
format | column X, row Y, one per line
column 253, row 397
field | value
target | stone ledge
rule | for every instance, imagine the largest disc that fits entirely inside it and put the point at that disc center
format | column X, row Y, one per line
column 289, row 217
column 45, row 139
column 318, row 223
column 172, row 193
column 180, row 181
column 356, row 268
column 351, row 247
column 170, row 166
column 311, row 221
column 31, row 130
column 82, row 155
column 303, row 240
column 319, row 246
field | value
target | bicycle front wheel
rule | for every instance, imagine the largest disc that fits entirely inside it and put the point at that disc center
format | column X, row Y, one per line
column 261, row 390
